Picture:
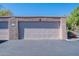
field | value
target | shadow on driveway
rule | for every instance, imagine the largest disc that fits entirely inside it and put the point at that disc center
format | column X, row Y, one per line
column 2, row 41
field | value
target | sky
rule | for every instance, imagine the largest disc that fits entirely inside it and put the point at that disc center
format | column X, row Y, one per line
column 40, row 9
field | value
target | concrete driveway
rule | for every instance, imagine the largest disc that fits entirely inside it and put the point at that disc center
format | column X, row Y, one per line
column 39, row 48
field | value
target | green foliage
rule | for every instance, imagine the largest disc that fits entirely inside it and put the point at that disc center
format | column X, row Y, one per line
column 5, row 12
column 73, row 20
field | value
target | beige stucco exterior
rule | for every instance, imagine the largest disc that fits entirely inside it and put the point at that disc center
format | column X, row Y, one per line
column 11, row 33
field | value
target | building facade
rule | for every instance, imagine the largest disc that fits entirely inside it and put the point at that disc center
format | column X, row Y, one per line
column 32, row 28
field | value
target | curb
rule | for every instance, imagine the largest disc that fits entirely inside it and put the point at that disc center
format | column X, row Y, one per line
column 72, row 39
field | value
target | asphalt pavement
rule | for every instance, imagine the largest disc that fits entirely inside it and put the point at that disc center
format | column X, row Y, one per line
column 39, row 48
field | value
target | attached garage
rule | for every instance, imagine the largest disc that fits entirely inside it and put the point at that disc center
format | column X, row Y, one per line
column 32, row 28
column 39, row 30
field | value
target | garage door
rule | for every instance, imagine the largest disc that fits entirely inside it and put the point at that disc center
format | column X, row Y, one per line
column 4, row 31
column 39, row 30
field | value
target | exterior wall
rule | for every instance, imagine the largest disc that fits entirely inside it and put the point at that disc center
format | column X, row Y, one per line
column 63, row 32
column 13, row 31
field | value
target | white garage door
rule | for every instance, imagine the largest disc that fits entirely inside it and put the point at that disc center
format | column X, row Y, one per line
column 4, row 31
column 4, row 34
column 41, row 34
column 39, row 30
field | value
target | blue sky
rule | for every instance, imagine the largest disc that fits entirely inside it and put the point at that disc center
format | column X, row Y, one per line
column 40, row 9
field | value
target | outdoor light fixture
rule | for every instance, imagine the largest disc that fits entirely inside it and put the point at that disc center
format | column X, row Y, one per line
column 12, row 24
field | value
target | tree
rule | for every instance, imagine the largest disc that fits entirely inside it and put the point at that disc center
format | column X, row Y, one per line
column 5, row 12
column 73, row 20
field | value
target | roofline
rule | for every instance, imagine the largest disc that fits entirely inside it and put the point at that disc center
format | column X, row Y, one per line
column 34, row 16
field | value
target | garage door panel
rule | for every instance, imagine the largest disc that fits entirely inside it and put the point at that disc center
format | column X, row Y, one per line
column 41, row 34
column 42, row 31
column 4, row 31
column 4, row 34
